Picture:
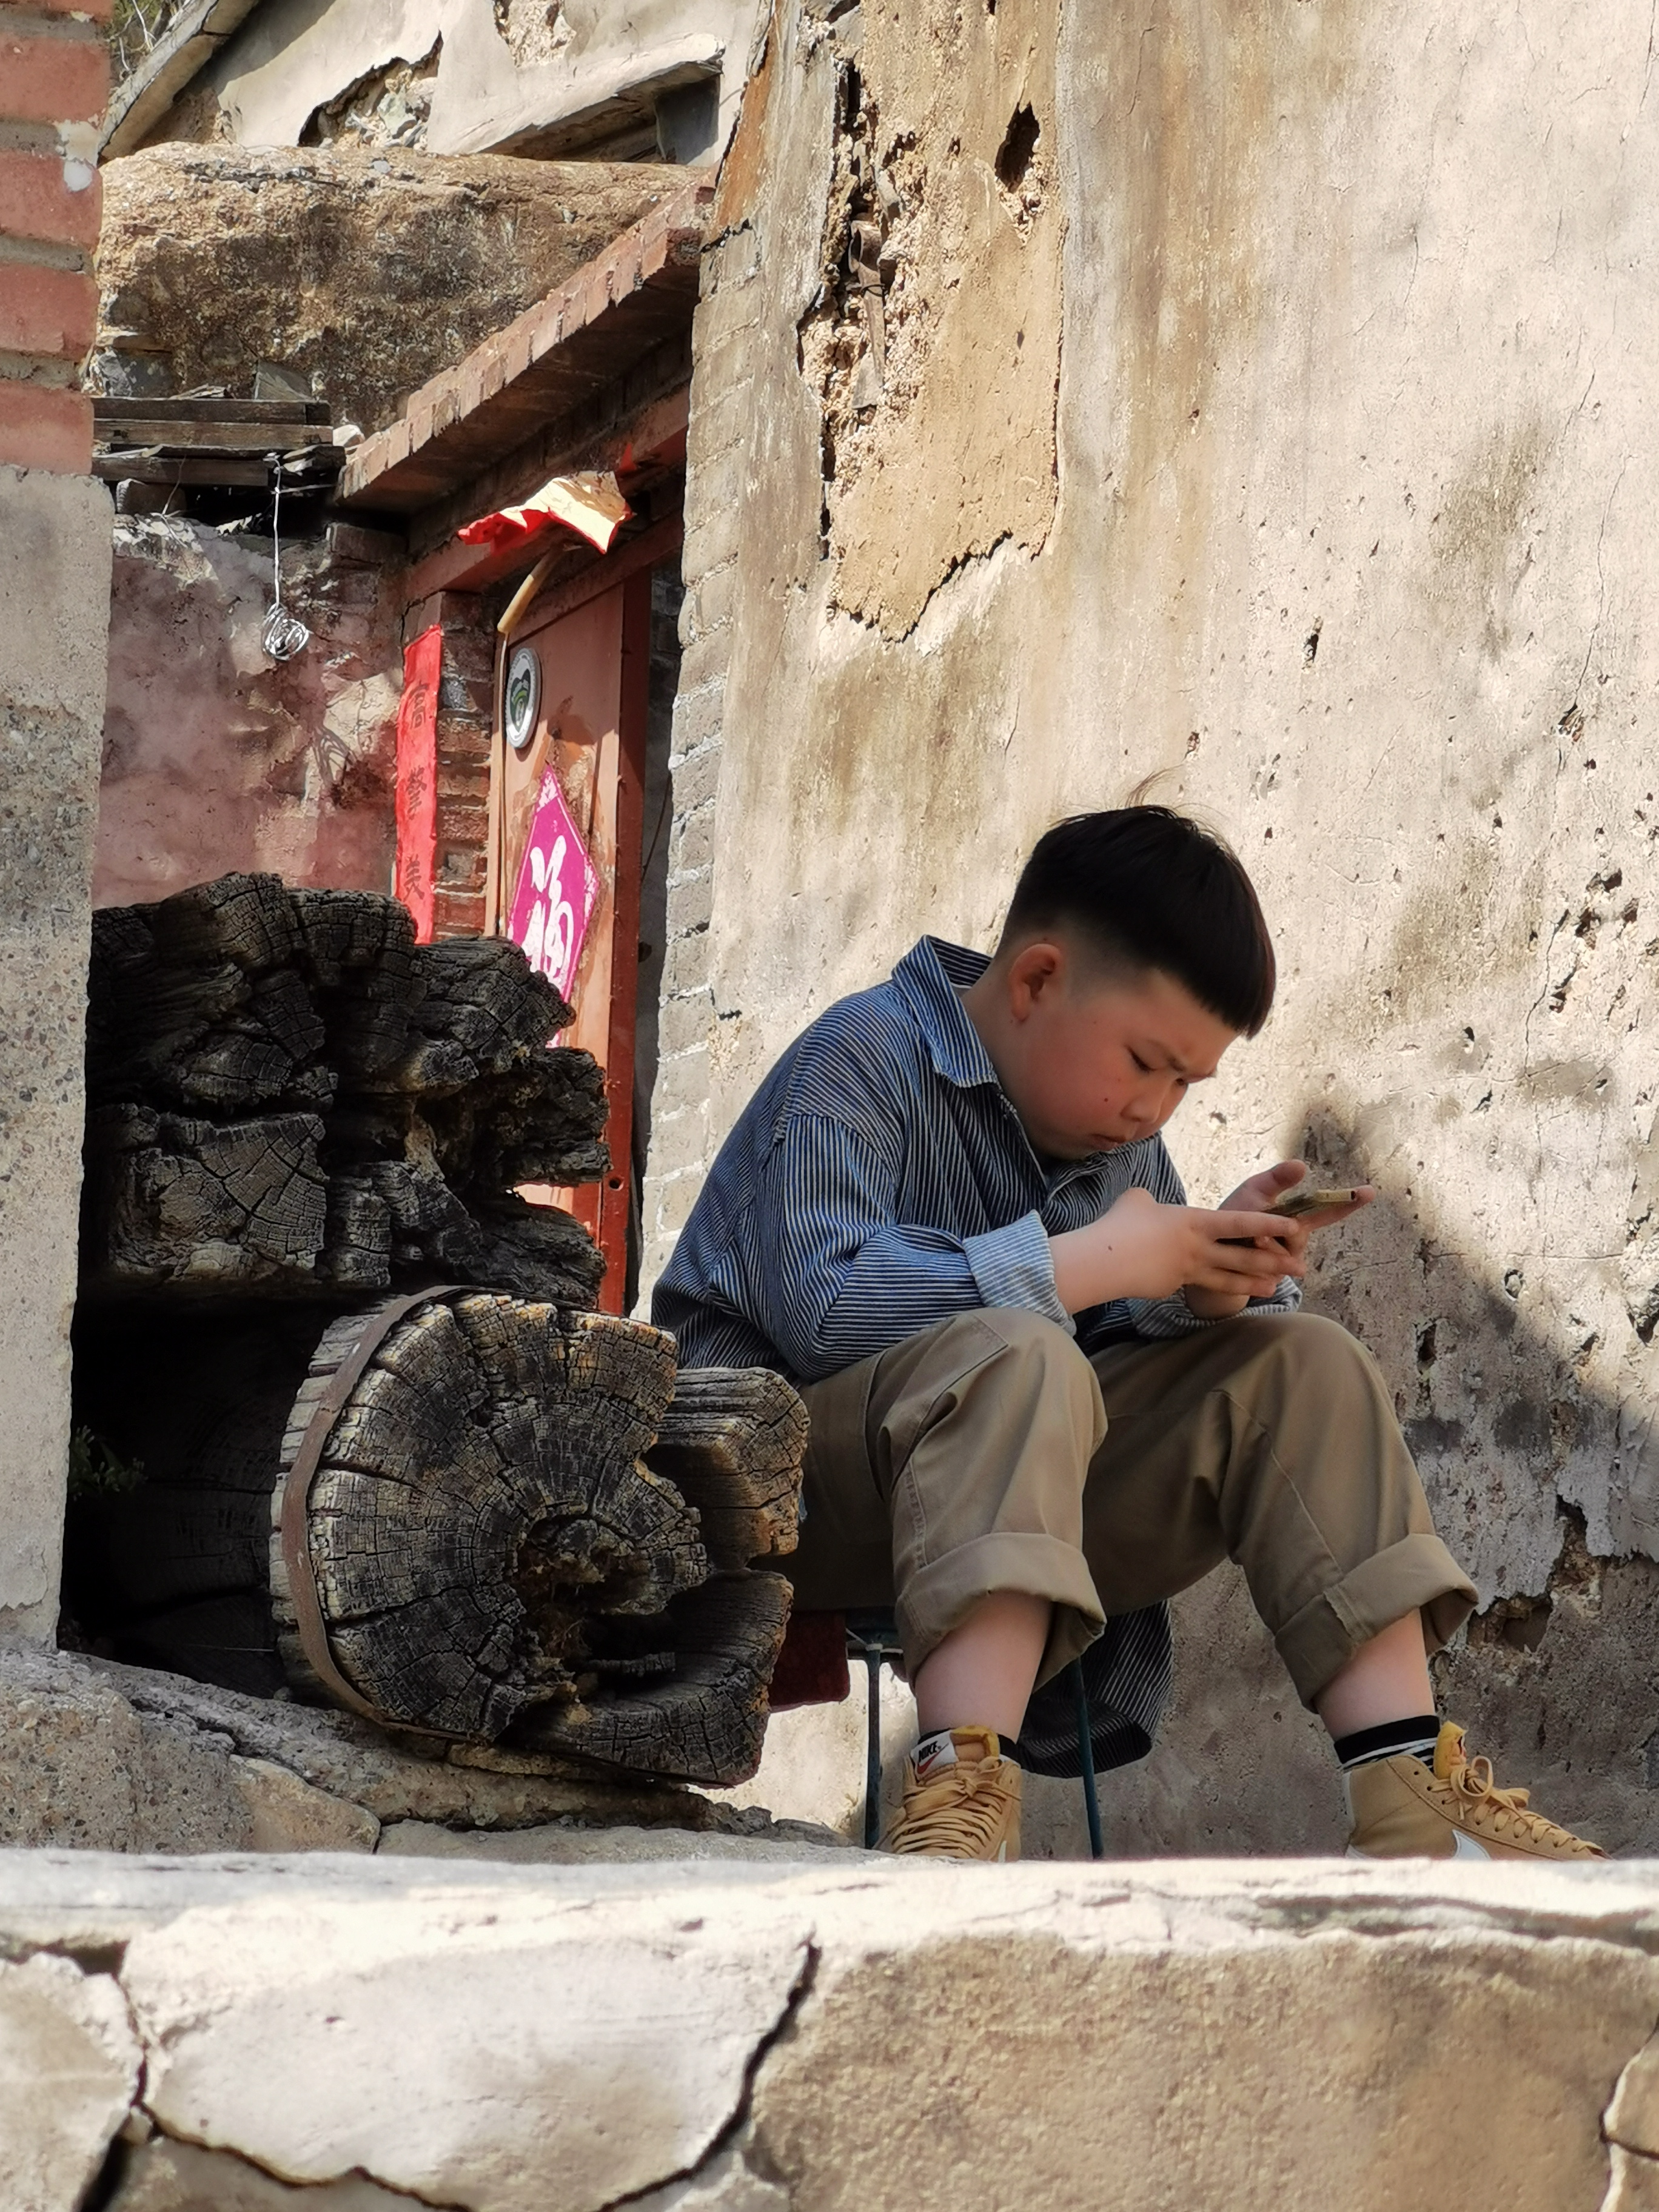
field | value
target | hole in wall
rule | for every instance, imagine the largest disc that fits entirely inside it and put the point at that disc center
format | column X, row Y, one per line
column 1018, row 144
column 387, row 107
column 1516, row 1622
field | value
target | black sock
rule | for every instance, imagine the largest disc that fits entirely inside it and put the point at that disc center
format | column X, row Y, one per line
column 1417, row 1737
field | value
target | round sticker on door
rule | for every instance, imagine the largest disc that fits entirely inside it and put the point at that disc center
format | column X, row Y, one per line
column 522, row 696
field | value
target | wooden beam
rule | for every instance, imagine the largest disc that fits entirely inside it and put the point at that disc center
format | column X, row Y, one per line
column 209, row 411
column 625, row 423
column 218, row 437
column 191, row 42
column 553, row 361
column 153, row 468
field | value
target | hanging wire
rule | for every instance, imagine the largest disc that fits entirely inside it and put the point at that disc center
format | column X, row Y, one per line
column 284, row 635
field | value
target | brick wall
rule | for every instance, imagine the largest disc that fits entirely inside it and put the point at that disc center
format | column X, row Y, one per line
column 53, row 81
column 466, row 699
column 682, row 1135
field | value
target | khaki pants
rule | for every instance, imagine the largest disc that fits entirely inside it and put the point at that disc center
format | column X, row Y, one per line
column 990, row 1454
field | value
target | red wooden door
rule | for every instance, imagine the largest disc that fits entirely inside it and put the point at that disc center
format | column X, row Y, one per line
column 593, row 667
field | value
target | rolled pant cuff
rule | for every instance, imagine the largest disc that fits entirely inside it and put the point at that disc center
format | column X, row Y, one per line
column 1417, row 1574
column 940, row 1595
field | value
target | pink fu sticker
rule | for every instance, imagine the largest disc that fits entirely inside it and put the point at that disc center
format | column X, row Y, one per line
column 557, row 888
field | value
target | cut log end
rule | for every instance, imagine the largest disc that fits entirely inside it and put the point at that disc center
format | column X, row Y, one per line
column 480, row 1501
column 703, row 1721
column 494, row 1555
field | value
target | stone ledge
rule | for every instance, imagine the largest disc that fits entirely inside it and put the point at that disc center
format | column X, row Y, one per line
column 899, row 2037
column 99, row 1756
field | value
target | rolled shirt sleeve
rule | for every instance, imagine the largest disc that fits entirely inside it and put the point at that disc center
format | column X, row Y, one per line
column 1164, row 1318
column 1014, row 1267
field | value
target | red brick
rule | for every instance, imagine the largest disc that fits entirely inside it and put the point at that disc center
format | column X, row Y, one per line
column 36, row 203
column 457, row 914
column 100, row 10
column 461, row 870
column 47, row 310
column 51, row 80
column 45, row 429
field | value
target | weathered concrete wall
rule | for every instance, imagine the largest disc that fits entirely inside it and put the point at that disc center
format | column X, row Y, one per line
column 692, row 2040
column 457, row 78
column 1349, row 535
column 217, row 757
column 54, row 618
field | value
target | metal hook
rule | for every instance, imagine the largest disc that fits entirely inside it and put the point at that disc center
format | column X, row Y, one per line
column 283, row 635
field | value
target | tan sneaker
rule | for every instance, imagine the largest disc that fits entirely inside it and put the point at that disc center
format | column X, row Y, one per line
column 965, row 1807
column 1403, row 1809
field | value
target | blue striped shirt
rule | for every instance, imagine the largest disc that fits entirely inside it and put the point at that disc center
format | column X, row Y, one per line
column 880, row 1182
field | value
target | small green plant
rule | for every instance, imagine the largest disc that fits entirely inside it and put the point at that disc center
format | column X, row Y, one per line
column 95, row 1471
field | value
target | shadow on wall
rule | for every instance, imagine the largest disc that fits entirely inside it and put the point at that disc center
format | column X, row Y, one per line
column 1557, row 1683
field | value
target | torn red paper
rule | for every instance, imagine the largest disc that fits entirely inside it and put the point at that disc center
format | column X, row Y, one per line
column 590, row 504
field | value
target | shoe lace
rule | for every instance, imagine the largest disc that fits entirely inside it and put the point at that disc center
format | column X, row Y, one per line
column 1472, row 1781
column 954, row 1817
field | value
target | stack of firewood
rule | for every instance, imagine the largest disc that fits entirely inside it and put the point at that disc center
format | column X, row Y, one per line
column 286, row 1093
column 472, row 1510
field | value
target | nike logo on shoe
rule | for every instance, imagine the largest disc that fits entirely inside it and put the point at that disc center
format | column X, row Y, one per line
column 1463, row 1847
column 1467, row 1848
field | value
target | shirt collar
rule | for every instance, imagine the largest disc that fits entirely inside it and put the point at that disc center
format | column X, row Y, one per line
column 929, row 978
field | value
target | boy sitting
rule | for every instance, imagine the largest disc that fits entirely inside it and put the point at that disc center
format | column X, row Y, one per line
column 1046, row 1392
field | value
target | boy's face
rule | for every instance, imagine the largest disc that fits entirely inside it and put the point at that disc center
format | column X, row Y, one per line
column 1093, row 1058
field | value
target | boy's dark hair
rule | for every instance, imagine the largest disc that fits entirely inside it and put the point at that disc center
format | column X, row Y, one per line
column 1149, row 889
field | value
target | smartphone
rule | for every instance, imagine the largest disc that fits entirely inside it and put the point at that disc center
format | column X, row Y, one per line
column 1304, row 1198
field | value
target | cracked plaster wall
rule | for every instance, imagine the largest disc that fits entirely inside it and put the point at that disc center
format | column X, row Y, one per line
column 248, row 2036
column 1350, row 538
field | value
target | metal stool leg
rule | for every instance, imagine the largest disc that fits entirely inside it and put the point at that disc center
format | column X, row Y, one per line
column 1085, row 1750
column 872, row 1752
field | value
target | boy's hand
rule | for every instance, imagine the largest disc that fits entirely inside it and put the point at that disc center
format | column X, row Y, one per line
column 1290, row 1237
column 1140, row 1249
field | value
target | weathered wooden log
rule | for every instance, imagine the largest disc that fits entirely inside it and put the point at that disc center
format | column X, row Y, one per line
column 539, row 1122
column 200, row 1034
column 704, row 1720
column 477, row 1497
column 733, row 1443
column 172, row 1200
column 496, row 1011
column 224, row 1018
column 440, row 1513
column 480, row 1515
